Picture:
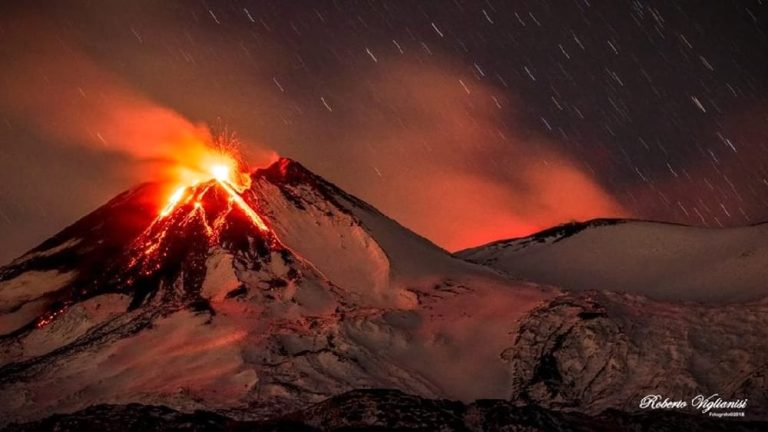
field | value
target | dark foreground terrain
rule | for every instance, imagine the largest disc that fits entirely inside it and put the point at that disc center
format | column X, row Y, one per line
column 373, row 410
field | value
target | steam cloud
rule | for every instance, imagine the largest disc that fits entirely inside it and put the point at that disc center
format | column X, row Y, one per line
column 457, row 171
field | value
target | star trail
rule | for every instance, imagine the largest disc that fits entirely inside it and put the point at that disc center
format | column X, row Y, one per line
column 467, row 121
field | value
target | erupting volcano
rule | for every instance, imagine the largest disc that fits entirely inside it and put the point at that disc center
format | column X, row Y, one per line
column 255, row 294
column 213, row 208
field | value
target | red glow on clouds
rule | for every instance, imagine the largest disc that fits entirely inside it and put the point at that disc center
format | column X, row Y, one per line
column 474, row 210
column 458, row 173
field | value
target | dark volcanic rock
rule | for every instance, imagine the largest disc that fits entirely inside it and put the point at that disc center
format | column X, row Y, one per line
column 384, row 410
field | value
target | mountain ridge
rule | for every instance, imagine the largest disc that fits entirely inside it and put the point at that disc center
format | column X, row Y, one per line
column 660, row 260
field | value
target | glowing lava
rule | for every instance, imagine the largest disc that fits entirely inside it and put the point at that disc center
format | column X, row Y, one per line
column 201, row 205
column 224, row 169
column 209, row 207
column 240, row 202
column 173, row 201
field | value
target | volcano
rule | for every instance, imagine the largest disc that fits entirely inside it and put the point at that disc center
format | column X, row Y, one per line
column 262, row 302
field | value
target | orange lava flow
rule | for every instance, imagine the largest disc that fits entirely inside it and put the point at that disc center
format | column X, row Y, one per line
column 173, row 201
column 237, row 199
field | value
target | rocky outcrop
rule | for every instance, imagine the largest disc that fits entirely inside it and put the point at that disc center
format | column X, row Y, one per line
column 596, row 351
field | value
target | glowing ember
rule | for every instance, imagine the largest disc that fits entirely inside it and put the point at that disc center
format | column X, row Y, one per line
column 49, row 317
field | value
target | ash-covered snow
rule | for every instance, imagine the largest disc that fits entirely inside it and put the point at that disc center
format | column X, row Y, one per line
column 30, row 286
column 78, row 320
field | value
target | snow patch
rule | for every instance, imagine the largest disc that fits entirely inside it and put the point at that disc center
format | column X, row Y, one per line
column 48, row 252
column 220, row 277
column 331, row 240
column 29, row 286
column 73, row 323
column 25, row 314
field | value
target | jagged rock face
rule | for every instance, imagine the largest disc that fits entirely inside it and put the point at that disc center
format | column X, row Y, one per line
column 569, row 353
column 594, row 351
column 384, row 410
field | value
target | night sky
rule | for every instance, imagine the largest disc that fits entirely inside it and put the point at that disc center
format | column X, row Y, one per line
column 467, row 121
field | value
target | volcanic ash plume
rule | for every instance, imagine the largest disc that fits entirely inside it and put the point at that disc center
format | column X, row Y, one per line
column 73, row 100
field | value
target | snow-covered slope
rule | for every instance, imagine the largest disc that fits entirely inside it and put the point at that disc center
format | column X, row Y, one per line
column 201, row 309
column 662, row 261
